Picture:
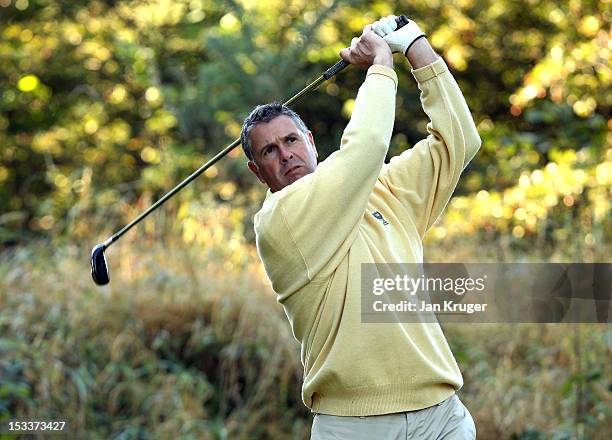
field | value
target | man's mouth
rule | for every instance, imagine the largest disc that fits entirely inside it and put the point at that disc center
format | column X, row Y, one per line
column 292, row 169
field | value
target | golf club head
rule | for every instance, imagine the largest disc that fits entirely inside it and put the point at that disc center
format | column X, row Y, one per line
column 99, row 270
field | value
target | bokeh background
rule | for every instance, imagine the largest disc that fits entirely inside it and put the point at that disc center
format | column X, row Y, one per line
column 106, row 105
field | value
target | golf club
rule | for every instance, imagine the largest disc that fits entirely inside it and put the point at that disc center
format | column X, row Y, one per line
column 99, row 268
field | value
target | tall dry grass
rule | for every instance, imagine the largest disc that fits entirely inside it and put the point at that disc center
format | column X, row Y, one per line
column 183, row 345
column 175, row 345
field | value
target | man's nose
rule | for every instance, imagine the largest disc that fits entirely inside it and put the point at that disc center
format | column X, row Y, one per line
column 285, row 154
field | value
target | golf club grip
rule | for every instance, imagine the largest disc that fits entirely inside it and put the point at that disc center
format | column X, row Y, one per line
column 335, row 69
column 401, row 21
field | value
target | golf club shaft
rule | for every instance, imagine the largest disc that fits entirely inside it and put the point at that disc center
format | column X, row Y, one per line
column 401, row 21
column 328, row 74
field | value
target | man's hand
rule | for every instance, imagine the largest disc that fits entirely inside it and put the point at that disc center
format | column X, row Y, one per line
column 368, row 49
column 406, row 40
column 398, row 40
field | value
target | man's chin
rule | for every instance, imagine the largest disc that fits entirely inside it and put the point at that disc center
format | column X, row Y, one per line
column 295, row 176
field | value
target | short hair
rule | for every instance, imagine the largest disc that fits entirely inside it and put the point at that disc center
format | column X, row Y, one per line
column 262, row 114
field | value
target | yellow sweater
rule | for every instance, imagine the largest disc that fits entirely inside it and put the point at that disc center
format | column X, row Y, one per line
column 313, row 236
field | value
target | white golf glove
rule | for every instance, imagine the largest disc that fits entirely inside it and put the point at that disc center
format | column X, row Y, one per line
column 400, row 40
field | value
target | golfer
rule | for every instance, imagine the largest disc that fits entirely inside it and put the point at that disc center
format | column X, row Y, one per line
column 320, row 222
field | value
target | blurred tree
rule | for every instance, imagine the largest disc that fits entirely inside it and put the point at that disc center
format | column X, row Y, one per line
column 103, row 102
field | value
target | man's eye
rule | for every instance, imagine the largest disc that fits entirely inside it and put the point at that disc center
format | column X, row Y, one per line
column 292, row 139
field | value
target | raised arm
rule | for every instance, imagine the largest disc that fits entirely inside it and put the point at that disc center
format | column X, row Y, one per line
column 424, row 177
column 314, row 219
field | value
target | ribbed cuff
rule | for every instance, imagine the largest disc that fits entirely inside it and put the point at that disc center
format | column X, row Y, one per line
column 379, row 69
column 383, row 399
column 430, row 71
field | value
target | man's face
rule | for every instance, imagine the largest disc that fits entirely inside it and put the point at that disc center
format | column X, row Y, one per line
column 282, row 153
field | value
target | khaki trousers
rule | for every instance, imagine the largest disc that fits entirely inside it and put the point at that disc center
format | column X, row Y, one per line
column 448, row 420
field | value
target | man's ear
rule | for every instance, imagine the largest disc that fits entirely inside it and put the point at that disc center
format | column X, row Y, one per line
column 311, row 140
column 253, row 167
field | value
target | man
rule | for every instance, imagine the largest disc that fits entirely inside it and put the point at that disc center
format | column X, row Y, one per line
column 320, row 222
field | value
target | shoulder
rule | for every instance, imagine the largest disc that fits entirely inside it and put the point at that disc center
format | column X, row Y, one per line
column 277, row 203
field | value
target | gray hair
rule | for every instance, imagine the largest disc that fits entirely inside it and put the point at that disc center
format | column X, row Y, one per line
column 262, row 114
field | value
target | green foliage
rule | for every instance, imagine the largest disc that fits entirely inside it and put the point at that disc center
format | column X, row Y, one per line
column 105, row 103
